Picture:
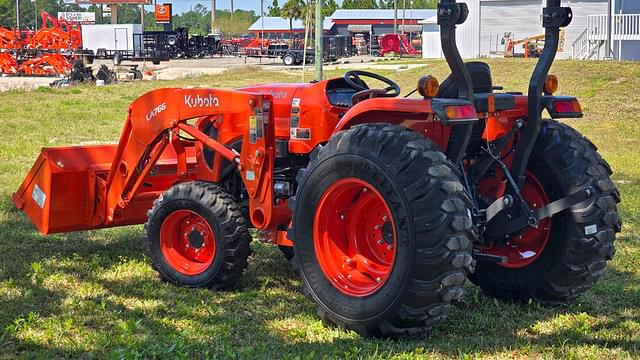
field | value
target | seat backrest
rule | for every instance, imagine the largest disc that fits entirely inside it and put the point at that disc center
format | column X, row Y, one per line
column 480, row 77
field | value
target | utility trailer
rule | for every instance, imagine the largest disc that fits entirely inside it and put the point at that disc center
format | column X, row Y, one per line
column 133, row 44
column 334, row 48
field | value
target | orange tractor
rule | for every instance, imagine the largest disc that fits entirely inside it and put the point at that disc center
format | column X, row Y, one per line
column 384, row 204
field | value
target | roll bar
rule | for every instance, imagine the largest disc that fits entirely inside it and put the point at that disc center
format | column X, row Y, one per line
column 451, row 14
column 553, row 18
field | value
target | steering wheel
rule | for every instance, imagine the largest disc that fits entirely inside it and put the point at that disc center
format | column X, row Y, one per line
column 352, row 78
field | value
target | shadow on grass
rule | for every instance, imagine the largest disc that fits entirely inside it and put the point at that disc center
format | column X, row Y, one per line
column 118, row 308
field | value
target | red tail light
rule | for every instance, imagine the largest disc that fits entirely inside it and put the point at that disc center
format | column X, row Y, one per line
column 564, row 107
column 460, row 112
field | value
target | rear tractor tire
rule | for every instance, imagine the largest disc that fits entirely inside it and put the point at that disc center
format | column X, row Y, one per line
column 196, row 236
column 382, row 231
column 568, row 253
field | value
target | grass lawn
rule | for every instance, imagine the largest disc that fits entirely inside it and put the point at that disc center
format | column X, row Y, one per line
column 94, row 294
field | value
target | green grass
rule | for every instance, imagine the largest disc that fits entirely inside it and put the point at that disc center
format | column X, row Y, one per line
column 94, row 294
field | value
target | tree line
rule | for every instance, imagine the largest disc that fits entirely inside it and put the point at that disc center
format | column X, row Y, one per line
column 198, row 18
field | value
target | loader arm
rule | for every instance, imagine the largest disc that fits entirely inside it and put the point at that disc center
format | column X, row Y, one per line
column 154, row 121
column 86, row 187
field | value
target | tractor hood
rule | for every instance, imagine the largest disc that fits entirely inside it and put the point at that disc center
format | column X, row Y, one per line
column 282, row 93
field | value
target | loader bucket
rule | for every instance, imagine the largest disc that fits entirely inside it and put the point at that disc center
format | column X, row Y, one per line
column 58, row 192
column 63, row 190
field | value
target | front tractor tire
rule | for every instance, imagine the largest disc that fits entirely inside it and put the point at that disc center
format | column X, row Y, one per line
column 382, row 231
column 196, row 236
column 568, row 253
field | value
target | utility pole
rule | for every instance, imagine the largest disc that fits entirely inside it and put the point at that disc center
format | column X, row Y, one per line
column 231, row 9
column 404, row 29
column 608, row 44
column 114, row 14
column 142, row 15
column 213, row 14
column 319, row 51
column 18, row 16
column 395, row 16
column 35, row 14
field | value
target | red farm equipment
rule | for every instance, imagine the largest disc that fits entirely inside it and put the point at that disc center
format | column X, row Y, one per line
column 7, row 39
column 384, row 204
column 46, row 65
column 47, row 52
column 8, row 64
column 60, row 36
column 394, row 44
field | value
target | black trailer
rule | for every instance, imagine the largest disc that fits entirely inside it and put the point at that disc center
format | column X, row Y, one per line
column 159, row 46
column 334, row 47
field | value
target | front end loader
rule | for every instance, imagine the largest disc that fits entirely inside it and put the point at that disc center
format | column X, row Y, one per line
column 384, row 204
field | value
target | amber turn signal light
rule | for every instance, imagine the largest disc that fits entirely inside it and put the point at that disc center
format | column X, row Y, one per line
column 428, row 86
column 550, row 84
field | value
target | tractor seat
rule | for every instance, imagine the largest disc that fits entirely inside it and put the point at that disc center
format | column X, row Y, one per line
column 482, row 87
column 480, row 77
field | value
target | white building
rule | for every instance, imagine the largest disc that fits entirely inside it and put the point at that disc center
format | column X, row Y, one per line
column 481, row 35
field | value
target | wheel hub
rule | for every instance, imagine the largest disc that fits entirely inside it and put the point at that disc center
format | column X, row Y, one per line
column 522, row 250
column 196, row 240
column 354, row 237
column 187, row 242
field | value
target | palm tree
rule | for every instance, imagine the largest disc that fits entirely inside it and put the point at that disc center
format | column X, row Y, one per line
column 292, row 9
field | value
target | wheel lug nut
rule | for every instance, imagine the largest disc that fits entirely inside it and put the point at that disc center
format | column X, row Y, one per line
column 377, row 227
column 389, row 247
column 364, row 189
column 341, row 216
column 385, row 218
column 202, row 233
column 380, row 242
column 378, row 279
column 348, row 261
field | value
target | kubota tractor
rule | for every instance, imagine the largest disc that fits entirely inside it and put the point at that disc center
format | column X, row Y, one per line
column 384, row 204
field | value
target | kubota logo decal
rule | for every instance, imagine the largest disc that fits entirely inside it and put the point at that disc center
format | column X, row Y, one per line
column 199, row 102
column 157, row 110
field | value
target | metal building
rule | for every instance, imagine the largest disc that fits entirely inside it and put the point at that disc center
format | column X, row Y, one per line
column 490, row 22
column 378, row 21
column 281, row 28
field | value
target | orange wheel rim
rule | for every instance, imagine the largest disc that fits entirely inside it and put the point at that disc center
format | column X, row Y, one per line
column 187, row 242
column 354, row 237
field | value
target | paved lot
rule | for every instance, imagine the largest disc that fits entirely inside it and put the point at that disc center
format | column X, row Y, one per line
column 26, row 83
column 181, row 68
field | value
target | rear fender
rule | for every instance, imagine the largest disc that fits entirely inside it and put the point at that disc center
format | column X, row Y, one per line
column 388, row 110
column 425, row 116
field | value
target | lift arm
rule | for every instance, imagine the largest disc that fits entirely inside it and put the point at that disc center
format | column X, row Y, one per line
column 155, row 120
